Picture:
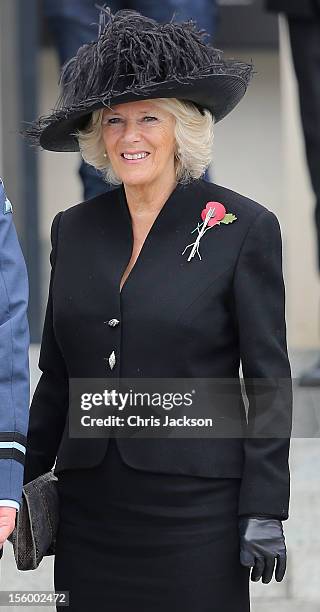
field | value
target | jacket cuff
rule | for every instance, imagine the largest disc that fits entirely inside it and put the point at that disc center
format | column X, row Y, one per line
column 13, row 446
column 11, row 481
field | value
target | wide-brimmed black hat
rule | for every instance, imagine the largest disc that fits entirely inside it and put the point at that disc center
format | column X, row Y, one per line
column 133, row 58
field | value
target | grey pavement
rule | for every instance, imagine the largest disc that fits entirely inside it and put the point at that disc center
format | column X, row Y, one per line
column 300, row 589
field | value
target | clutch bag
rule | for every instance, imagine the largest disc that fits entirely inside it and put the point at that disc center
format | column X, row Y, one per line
column 34, row 535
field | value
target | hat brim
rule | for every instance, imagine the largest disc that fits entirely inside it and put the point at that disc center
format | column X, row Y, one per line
column 219, row 93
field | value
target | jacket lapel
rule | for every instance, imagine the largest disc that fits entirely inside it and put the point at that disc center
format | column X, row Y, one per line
column 165, row 222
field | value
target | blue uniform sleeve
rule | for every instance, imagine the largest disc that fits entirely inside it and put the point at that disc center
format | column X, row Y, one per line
column 14, row 360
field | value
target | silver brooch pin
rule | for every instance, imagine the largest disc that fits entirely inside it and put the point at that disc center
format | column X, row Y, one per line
column 213, row 214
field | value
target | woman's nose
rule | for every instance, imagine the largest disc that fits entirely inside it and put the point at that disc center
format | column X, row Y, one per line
column 132, row 130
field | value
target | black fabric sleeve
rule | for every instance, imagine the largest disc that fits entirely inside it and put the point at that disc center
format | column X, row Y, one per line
column 49, row 405
column 259, row 306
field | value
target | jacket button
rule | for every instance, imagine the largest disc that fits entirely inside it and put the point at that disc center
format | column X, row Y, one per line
column 113, row 322
column 112, row 360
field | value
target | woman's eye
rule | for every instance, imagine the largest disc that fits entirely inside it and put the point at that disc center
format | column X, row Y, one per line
column 114, row 120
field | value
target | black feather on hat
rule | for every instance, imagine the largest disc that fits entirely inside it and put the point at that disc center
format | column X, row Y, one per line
column 135, row 57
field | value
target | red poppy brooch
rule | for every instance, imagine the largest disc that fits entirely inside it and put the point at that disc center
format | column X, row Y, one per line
column 213, row 214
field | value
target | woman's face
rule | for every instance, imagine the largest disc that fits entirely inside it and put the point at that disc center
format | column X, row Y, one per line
column 140, row 127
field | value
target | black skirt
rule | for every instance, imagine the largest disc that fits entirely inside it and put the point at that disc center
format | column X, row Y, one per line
column 133, row 540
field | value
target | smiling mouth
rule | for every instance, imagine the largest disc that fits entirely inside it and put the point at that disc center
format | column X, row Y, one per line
column 135, row 158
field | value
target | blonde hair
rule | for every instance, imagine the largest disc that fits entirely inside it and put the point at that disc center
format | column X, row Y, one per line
column 193, row 134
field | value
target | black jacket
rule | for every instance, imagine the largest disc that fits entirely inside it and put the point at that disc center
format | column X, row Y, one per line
column 294, row 8
column 178, row 318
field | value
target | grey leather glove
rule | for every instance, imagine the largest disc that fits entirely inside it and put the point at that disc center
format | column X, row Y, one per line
column 262, row 544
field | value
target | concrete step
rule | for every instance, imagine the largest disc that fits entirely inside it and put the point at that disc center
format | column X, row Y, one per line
column 287, row 605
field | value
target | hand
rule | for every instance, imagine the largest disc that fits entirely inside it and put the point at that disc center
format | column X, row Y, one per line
column 7, row 524
column 261, row 544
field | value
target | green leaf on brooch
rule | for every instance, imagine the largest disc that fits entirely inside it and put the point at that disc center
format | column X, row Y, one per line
column 228, row 218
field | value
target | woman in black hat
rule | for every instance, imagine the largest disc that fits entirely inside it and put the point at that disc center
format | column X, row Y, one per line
column 165, row 277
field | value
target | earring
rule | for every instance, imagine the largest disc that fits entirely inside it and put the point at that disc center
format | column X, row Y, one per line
column 104, row 155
